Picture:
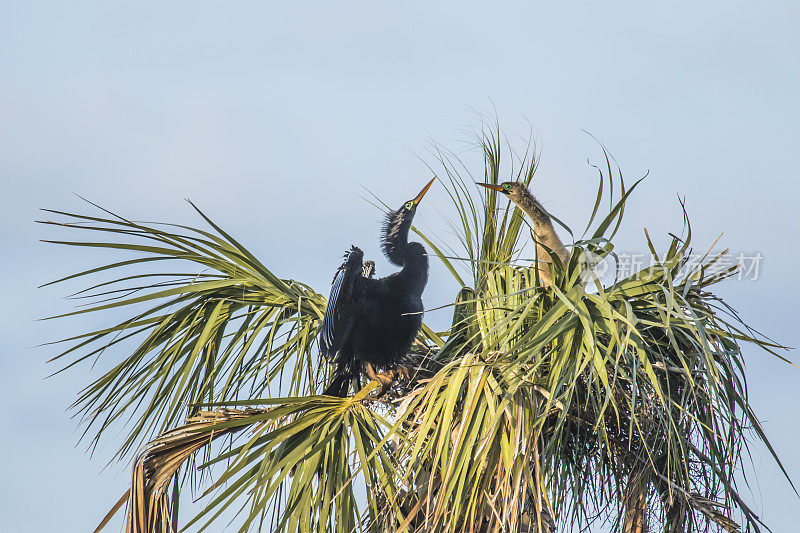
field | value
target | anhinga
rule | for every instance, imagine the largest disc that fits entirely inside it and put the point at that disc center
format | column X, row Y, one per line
column 547, row 240
column 370, row 323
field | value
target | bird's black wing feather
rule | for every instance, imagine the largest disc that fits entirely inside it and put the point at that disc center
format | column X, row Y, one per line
column 337, row 323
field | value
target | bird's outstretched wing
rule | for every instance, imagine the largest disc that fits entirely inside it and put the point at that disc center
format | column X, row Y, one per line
column 369, row 269
column 339, row 314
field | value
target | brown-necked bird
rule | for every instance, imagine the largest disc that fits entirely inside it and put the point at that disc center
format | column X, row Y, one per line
column 544, row 233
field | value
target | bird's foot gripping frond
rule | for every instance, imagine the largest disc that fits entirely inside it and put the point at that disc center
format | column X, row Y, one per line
column 384, row 378
column 389, row 377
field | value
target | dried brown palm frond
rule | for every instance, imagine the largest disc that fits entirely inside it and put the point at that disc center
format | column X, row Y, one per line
column 149, row 507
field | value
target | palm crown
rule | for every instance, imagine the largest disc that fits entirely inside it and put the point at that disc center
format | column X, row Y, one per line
column 540, row 403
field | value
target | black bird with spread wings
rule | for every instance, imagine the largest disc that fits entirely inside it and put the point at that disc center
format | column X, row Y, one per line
column 370, row 323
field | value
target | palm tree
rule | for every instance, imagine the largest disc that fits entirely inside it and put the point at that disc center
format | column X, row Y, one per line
column 543, row 405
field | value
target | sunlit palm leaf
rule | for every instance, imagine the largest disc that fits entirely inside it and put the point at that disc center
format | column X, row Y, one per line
column 540, row 403
column 641, row 380
column 228, row 330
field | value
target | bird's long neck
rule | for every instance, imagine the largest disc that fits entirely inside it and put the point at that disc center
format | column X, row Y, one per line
column 414, row 274
column 542, row 225
column 411, row 256
column 395, row 237
column 531, row 206
column 546, row 238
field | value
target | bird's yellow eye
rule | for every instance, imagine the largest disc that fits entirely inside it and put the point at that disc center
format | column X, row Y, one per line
column 507, row 186
column 409, row 205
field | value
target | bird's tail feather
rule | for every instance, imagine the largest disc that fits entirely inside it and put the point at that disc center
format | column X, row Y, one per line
column 346, row 373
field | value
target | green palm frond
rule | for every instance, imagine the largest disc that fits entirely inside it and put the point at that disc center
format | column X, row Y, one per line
column 643, row 379
column 540, row 404
column 300, row 448
column 298, row 464
column 224, row 328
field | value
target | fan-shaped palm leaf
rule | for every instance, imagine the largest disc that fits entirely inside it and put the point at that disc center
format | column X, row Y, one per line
column 540, row 403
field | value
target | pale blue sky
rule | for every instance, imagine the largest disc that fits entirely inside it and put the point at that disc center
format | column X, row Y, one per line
column 237, row 104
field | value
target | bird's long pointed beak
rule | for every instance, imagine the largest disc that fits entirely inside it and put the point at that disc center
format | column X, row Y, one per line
column 491, row 186
column 423, row 191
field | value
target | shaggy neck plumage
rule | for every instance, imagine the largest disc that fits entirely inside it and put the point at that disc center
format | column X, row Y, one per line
column 543, row 230
column 531, row 206
column 411, row 256
column 395, row 236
